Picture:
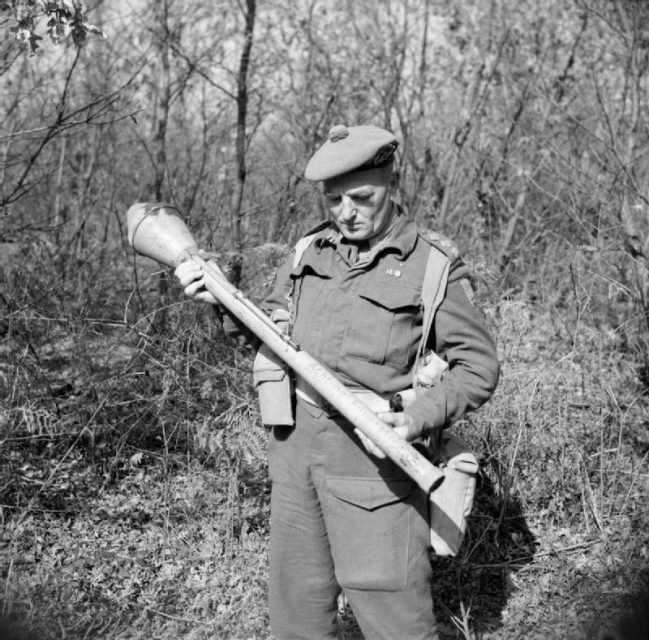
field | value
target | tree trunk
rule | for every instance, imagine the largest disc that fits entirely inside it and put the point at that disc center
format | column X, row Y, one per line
column 159, row 188
column 241, row 141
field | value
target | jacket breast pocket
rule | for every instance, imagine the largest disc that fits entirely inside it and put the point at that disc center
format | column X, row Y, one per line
column 312, row 291
column 383, row 324
column 369, row 522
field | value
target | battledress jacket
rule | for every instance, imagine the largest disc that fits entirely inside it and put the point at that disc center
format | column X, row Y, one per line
column 363, row 320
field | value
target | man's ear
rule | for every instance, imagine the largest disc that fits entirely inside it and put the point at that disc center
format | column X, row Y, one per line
column 394, row 179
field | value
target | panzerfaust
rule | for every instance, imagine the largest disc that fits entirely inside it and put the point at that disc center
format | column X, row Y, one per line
column 157, row 231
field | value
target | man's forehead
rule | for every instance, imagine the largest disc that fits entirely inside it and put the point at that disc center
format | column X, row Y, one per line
column 349, row 190
column 357, row 181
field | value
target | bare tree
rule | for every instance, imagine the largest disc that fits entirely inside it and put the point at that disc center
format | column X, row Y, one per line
column 629, row 143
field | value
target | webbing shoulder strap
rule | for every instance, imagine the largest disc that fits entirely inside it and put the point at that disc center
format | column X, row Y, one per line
column 305, row 241
column 433, row 291
column 300, row 248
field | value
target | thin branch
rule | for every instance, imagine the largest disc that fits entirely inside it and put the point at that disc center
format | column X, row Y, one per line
column 51, row 133
column 193, row 67
column 64, row 122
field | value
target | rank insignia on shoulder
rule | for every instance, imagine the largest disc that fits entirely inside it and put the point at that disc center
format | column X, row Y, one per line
column 393, row 272
column 444, row 244
column 431, row 236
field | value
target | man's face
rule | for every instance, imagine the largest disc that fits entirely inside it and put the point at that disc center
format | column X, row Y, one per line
column 360, row 202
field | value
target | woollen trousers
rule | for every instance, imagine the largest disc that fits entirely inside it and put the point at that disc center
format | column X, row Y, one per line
column 341, row 518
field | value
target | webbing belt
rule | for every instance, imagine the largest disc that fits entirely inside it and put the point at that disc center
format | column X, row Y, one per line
column 374, row 401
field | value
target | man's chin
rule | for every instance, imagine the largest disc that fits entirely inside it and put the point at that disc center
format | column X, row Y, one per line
column 356, row 235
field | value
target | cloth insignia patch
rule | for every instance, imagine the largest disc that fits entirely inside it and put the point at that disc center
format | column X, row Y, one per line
column 468, row 289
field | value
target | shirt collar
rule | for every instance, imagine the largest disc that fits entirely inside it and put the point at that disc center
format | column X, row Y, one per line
column 404, row 238
column 400, row 241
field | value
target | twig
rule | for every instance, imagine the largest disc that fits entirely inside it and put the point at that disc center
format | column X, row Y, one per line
column 5, row 605
column 169, row 616
column 510, row 475
column 592, row 502
column 631, row 485
column 525, row 560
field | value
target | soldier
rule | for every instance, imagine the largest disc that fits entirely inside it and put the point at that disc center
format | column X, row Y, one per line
column 343, row 516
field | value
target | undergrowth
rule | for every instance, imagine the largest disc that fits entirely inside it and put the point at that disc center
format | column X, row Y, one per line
column 134, row 494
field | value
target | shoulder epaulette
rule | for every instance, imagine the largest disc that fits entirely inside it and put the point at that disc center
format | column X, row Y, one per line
column 437, row 240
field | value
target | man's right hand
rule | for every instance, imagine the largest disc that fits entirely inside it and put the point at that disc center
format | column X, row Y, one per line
column 192, row 280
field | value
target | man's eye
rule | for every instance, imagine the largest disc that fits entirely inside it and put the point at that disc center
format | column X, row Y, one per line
column 362, row 198
column 334, row 199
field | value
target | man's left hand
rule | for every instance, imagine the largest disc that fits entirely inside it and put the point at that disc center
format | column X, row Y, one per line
column 403, row 425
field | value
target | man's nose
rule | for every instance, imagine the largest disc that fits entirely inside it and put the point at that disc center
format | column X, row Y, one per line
column 347, row 210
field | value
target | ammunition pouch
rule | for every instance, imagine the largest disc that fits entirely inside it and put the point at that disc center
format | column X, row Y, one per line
column 274, row 388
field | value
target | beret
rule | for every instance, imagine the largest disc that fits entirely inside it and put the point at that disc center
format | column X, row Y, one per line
column 349, row 149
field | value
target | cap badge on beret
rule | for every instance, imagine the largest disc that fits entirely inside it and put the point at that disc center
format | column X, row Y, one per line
column 338, row 132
